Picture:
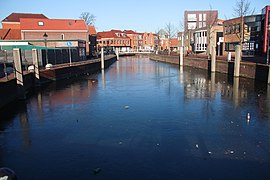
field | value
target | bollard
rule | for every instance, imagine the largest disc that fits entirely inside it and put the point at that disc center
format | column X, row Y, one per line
column 213, row 59
column 102, row 58
column 117, row 54
column 19, row 73
column 237, row 61
column 229, row 57
column 269, row 77
column 181, row 63
column 36, row 67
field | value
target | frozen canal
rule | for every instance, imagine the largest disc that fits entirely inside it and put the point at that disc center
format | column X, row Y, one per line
column 140, row 120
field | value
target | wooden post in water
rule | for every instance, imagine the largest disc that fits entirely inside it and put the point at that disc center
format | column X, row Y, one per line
column 237, row 61
column 213, row 59
column 181, row 60
column 102, row 58
column 19, row 73
column 269, row 77
column 117, row 53
column 36, row 67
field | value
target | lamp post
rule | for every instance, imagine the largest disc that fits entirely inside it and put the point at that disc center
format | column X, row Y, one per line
column 268, row 44
column 45, row 36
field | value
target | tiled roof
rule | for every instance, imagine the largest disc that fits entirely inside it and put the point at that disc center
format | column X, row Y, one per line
column 52, row 24
column 92, row 30
column 15, row 17
column 111, row 34
column 10, row 34
column 130, row 32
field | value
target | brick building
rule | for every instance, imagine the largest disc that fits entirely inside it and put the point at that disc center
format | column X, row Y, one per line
column 114, row 39
column 134, row 39
column 92, row 34
column 250, row 33
column 199, row 19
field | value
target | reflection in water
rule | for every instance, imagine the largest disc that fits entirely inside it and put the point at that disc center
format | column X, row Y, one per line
column 180, row 123
column 25, row 127
column 236, row 91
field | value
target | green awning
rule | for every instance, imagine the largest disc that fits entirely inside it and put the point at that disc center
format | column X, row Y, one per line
column 25, row 47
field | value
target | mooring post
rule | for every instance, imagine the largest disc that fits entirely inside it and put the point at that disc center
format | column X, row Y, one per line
column 102, row 58
column 36, row 66
column 213, row 59
column 117, row 53
column 268, row 76
column 19, row 73
column 237, row 61
column 181, row 63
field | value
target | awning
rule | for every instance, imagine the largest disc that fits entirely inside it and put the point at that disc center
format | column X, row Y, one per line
column 25, row 47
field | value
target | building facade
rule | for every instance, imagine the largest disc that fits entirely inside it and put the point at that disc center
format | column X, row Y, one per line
column 199, row 19
column 246, row 30
column 114, row 39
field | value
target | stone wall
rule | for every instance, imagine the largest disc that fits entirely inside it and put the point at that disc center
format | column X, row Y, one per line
column 247, row 69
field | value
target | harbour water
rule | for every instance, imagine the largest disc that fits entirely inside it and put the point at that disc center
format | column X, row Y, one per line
column 140, row 119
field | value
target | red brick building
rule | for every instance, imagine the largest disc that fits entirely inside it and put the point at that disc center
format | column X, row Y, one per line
column 114, row 39
column 134, row 39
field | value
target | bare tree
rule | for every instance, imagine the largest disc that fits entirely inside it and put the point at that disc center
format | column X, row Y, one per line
column 171, row 32
column 88, row 18
column 210, row 22
column 242, row 8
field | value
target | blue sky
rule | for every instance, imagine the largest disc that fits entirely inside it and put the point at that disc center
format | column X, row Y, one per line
column 139, row 15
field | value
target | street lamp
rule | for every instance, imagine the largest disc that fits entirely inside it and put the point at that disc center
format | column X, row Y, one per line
column 268, row 44
column 45, row 36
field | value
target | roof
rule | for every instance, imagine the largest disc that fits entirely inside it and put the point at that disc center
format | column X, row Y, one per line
column 23, row 47
column 111, row 34
column 10, row 34
column 130, row 32
column 92, row 30
column 52, row 24
column 15, row 17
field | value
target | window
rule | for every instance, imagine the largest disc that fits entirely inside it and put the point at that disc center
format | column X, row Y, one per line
column 62, row 36
column 204, row 17
column 200, row 17
column 40, row 23
column 200, row 24
column 237, row 28
column 204, row 24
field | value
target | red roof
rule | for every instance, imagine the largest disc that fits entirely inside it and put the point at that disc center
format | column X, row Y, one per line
column 53, row 24
column 92, row 30
column 15, row 17
column 10, row 34
column 111, row 34
column 130, row 32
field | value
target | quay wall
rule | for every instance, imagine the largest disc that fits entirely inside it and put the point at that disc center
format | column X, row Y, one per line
column 9, row 90
column 247, row 69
